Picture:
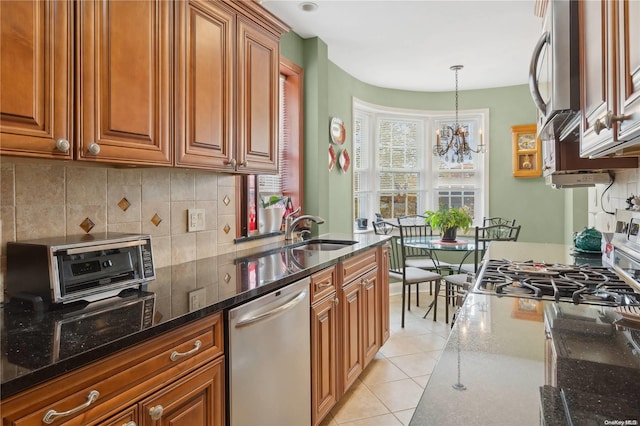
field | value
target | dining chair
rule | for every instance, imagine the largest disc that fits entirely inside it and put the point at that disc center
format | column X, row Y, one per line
column 412, row 229
column 457, row 285
column 486, row 221
column 419, row 257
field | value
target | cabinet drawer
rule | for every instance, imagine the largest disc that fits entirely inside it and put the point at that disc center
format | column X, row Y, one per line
column 119, row 379
column 323, row 283
column 354, row 267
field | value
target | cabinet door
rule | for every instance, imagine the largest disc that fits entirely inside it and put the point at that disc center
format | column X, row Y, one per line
column 123, row 90
column 258, row 82
column 594, row 56
column 628, row 36
column 370, row 316
column 204, row 85
column 36, row 78
column 352, row 329
column 194, row 400
column 324, row 353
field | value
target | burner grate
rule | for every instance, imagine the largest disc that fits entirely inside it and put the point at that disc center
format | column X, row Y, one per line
column 571, row 283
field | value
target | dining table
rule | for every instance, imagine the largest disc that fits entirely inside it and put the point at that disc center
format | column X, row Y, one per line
column 463, row 244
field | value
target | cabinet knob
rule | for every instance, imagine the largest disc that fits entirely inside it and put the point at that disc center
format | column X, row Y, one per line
column 245, row 163
column 94, row 148
column 131, row 423
column 336, row 301
column 599, row 126
column 156, row 412
column 230, row 162
column 63, row 145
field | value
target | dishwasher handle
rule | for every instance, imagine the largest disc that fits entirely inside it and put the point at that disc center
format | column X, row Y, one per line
column 290, row 304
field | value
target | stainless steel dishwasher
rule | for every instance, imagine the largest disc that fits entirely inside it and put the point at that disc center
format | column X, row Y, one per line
column 269, row 359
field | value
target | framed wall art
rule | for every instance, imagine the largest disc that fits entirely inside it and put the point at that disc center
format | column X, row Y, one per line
column 527, row 158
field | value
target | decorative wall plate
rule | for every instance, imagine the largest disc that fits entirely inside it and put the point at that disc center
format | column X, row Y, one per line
column 337, row 130
column 345, row 161
column 332, row 158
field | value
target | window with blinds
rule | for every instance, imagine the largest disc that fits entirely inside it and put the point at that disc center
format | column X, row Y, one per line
column 395, row 172
column 288, row 182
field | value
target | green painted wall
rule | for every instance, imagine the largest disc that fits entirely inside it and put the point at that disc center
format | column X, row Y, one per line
column 546, row 214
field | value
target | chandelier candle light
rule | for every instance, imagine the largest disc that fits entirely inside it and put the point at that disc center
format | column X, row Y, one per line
column 455, row 146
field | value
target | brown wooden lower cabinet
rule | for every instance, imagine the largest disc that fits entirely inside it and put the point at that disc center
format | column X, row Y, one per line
column 170, row 379
column 324, row 357
column 348, row 325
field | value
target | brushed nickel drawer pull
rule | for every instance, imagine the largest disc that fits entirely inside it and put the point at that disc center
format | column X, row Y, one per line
column 52, row 415
column 175, row 355
column 324, row 285
column 131, row 423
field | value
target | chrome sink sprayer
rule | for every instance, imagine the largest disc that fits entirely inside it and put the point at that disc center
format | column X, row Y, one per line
column 291, row 223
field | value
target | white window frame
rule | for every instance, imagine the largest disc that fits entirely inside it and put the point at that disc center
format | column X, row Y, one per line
column 367, row 168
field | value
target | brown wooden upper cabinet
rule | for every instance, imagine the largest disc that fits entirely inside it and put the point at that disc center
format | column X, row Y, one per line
column 226, row 87
column 185, row 83
column 123, row 81
column 36, row 78
column 610, row 77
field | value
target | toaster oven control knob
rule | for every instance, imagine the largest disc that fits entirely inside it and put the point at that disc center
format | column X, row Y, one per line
column 63, row 145
column 107, row 263
column 94, row 149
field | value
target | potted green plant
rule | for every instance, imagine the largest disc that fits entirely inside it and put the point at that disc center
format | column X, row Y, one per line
column 448, row 220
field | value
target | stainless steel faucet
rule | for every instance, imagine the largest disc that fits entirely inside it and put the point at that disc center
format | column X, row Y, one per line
column 290, row 223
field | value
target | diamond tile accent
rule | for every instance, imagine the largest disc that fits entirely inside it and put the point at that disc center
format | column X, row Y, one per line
column 87, row 225
column 156, row 219
column 227, row 278
column 124, row 204
column 226, row 228
column 226, row 200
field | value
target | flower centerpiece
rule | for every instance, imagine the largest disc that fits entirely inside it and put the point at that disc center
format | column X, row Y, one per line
column 448, row 220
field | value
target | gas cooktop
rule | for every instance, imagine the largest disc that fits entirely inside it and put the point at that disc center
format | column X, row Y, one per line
column 562, row 283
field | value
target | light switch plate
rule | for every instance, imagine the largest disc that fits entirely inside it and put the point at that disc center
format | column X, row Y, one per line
column 195, row 220
column 197, row 299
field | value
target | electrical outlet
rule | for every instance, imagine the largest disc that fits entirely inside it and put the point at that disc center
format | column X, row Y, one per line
column 195, row 220
column 197, row 299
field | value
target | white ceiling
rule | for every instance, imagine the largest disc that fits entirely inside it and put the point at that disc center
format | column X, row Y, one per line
column 410, row 45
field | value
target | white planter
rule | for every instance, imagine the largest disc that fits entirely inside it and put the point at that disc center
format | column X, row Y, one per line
column 270, row 219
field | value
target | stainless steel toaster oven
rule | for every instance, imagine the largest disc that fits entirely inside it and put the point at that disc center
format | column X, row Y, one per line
column 81, row 267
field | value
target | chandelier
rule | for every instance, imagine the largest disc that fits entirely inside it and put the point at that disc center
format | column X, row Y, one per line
column 451, row 141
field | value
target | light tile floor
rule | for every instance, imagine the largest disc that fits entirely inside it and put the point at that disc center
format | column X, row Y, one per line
column 389, row 389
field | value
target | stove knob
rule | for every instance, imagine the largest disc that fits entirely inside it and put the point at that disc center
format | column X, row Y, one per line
column 107, row 264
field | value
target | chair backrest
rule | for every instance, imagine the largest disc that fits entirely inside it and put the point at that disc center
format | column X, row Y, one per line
column 395, row 255
column 488, row 221
column 415, row 227
column 485, row 234
column 384, row 227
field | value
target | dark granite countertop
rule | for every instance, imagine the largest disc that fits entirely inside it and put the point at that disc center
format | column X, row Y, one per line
column 502, row 366
column 38, row 347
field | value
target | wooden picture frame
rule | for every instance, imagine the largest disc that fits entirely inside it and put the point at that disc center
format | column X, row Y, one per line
column 527, row 157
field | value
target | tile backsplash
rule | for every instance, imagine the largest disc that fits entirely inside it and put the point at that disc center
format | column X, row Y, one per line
column 603, row 202
column 47, row 198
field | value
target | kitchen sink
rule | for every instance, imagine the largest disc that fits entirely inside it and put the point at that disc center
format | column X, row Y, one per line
column 323, row 245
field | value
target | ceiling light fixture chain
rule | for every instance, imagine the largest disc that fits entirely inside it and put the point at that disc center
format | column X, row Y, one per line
column 455, row 147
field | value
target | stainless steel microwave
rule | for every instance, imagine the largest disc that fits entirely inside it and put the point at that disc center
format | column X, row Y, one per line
column 79, row 267
column 554, row 74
